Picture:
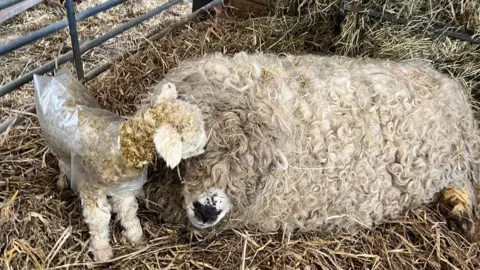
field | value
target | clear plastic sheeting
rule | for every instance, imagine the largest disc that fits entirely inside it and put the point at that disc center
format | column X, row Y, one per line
column 84, row 137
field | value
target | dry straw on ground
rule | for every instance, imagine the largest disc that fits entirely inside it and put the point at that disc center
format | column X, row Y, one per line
column 365, row 36
column 42, row 227
column 455, row 14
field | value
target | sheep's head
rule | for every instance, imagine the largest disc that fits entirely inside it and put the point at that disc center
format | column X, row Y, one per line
column 233, row 172
column 171, row 127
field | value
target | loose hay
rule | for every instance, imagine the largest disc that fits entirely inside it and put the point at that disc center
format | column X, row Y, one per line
column 455, row 14
column 365, row 36
column 43, row 226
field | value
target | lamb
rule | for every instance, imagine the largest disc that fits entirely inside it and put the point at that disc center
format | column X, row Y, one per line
column 104, row 155
column 324, row 143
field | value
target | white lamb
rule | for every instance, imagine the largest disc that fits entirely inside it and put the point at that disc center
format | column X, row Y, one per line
column 103, row 154
column 324, row 143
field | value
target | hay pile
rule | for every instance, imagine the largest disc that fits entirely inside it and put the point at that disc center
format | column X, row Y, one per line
column 42, row 227
column 362, row 35
column 456, row 14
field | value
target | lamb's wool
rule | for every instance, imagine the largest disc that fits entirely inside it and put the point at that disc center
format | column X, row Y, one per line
column 326, row 143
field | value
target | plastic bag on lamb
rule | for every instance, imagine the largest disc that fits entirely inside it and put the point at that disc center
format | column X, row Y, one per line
column 80, row 175
column 82, row 135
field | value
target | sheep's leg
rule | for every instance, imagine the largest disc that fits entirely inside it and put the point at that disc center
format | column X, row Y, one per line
column 97, row 214
column 457, row 204
column 125, row 205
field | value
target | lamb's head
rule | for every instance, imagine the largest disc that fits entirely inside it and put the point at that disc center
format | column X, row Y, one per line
column 171, row 127
column 183, row 136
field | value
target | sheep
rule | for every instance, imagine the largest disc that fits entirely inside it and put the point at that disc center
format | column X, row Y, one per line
column 105, row 157
column 323, row 143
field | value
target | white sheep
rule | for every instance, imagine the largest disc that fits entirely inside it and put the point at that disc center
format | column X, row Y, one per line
column 323, row 143
column 103, row 154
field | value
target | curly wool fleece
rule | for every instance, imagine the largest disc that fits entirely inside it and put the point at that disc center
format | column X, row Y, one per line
column 325, row 143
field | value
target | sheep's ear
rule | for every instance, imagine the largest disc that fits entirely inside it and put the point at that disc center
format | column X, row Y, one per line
column 169, row 92
column 168, row 144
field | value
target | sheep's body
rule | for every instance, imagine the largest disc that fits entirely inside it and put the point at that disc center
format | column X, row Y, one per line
column 103, row 154
column 324, row 143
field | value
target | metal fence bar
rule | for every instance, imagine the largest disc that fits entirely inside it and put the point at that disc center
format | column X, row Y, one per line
column 465, row 34
column 52, row 28
column 12, row 11
column 9, row 87
column 8, row 3
column 72, row 25
column 197, row 4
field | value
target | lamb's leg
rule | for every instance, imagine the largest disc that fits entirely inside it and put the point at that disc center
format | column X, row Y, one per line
column 125, row 205
column 97, row 214
column 457, row 204
column 62, row 181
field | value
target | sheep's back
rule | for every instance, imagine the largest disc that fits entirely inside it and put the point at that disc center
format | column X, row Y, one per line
column 382, row 137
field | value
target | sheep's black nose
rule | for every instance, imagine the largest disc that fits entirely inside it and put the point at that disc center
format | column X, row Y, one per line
column 205, row 213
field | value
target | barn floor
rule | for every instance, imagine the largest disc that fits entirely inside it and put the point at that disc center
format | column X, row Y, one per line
column 42, row 228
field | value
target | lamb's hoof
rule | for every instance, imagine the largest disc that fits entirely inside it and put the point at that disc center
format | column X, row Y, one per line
column 62, row 182
column 135, row 238
column 137, row 242
column 103, row 255
column 456, row 206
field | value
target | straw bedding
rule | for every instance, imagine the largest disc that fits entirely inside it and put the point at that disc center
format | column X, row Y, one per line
column 42, row 227
column 456, row 14
column 365, row 36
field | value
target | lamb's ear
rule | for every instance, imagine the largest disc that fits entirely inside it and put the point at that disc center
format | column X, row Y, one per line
column 169, row 92
column 168, row 144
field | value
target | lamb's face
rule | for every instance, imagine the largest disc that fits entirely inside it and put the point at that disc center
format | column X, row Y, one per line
column 208, row 208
